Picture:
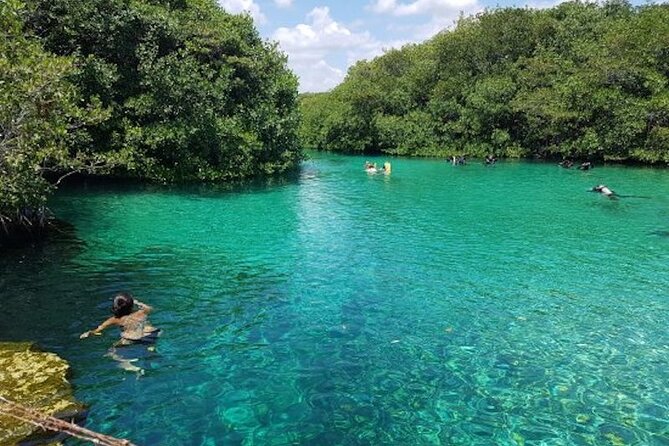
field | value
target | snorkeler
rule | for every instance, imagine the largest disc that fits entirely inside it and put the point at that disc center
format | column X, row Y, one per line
column 604, row 190
column 135, row 327
column 458, row 160
column 371, row 167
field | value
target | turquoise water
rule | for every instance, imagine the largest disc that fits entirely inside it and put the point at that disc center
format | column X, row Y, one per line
column 471, row 305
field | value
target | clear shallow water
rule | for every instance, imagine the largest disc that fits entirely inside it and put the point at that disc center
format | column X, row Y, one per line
column 440, row 305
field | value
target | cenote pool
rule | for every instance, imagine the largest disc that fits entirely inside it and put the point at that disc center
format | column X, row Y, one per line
column 471, row 305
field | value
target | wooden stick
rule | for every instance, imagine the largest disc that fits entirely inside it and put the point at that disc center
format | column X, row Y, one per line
column 47, row 422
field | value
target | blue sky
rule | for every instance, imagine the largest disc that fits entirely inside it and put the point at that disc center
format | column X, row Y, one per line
column 322, row 38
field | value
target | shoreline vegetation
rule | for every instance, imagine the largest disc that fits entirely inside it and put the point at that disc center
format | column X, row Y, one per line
column 161, row 91
column 174, row 91
column 580, row 81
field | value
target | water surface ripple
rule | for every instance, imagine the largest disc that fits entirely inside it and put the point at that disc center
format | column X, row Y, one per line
column 441, row 305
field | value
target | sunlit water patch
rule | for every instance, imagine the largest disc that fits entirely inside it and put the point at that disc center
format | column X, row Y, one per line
column 439, row 305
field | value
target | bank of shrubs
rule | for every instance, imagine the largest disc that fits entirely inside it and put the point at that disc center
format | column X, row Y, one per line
column 165, row 90
column 581, row 80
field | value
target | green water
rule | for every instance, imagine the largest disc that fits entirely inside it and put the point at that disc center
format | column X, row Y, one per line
column 471, row 305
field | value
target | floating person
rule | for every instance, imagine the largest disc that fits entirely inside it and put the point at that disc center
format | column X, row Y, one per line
column 566, row 163
column 387, row 168
column 458, row 160
column 586, row 166
column 371, row 167
column 604, row 190
column 490, row 160
column 135, row 328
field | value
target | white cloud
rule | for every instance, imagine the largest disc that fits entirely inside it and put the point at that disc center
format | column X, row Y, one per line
column 383, row 6
column 443, row 14
column 422, row 32
column 283, row 3
column 314, row 46
column 239, row 6
column 320, row 77
column 322, row 33
column 420, row 7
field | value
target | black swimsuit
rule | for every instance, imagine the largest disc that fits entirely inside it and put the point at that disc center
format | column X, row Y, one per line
column 148, row 338
column 134, row 331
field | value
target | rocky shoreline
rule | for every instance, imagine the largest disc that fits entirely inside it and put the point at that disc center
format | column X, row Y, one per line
column 38, row 380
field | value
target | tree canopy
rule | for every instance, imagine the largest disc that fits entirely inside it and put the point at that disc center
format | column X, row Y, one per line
column 578, row 80
column 39, row 114
column 192, row 91
column 166, row 90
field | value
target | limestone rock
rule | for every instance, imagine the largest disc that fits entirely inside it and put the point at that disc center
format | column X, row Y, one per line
column 35, row 379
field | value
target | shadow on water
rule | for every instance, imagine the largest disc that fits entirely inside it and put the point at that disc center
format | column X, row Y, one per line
column 255, row 184
column 643, row 197
column 24, row 271
column 26, row 239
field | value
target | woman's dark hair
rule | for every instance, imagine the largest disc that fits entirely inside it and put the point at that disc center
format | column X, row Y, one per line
column 123, row 303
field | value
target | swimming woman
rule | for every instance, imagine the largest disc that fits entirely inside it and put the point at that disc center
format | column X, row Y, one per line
column 135, row 326
column 604, row 190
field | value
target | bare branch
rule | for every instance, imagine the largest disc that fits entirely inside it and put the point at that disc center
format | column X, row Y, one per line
column 62, row 177
column 89, row 168
column 47, row 422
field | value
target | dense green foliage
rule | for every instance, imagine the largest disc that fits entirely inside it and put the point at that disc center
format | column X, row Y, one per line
column 167, row 90
column 578, row 80
column 192, row 92
column 39, row 115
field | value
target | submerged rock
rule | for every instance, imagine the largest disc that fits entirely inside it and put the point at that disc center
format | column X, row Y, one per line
column 38, row 380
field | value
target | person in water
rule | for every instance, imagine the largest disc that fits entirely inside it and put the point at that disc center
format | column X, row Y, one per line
column 371, row 168
column 458, row 161
column 586, row 166
column 387, row 168
column 135, row 327
column 604, row 190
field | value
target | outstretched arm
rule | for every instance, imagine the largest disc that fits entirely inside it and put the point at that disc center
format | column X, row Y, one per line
column 109, row 322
